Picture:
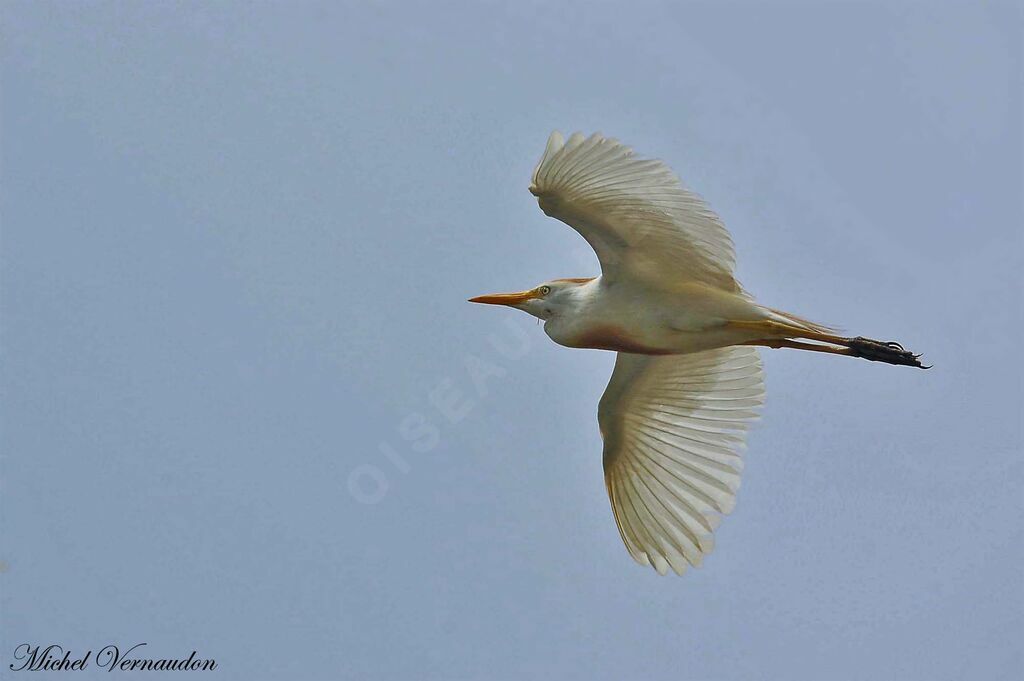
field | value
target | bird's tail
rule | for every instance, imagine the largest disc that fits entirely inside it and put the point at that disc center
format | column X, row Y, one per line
column 800, row 323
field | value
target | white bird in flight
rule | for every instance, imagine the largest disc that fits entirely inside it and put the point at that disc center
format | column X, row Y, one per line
column 687, row 378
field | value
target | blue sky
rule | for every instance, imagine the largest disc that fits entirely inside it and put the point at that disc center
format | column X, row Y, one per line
column 237, row 240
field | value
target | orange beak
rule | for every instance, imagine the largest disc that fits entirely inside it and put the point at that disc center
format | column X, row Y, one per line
column 511, row 299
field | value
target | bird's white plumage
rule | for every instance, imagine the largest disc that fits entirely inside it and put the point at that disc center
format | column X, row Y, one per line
column 635, row 213
column 673, row 425
column 674, row 429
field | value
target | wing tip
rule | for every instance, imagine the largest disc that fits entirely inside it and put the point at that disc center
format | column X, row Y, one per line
column 555, row 144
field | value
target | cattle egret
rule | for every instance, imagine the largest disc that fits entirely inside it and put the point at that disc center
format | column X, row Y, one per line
column 687, row 378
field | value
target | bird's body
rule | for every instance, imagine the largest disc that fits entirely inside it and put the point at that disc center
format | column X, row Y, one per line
column 646, row 319
column 686, row 381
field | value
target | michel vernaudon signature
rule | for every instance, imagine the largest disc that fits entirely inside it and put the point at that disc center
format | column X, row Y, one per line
column 55, row 658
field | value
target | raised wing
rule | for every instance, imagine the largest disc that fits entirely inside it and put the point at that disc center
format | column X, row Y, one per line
column 634, row 213
column 674, row 427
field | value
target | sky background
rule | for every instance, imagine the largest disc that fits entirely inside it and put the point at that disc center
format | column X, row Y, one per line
column 243, row 410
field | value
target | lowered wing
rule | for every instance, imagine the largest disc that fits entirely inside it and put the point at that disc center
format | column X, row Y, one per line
column 674, row 427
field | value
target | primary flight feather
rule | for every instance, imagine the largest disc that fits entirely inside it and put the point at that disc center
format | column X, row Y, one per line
column 687, row 378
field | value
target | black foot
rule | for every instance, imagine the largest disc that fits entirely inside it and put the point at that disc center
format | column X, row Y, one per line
column 890, row 353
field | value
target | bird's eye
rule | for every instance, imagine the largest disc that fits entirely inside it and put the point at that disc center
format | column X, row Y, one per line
column 544, row 290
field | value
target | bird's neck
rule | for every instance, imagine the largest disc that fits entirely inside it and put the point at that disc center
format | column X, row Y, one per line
column 570, row 310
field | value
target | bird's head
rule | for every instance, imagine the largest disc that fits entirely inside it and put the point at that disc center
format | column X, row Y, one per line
column 544, row 301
